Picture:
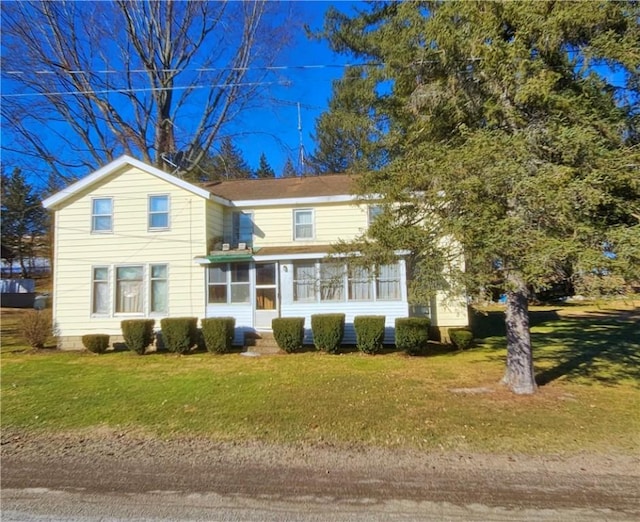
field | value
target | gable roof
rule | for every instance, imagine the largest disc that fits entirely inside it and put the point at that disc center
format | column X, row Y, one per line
column 283, row 188
column 110, row 168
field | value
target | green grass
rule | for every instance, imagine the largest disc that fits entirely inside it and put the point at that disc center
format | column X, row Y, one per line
column 589, row 400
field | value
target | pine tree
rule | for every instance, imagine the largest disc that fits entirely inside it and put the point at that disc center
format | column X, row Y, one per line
column 264, row 169
column 24, row 221
column 289, row 171
column 502, row 137
column 228, row 163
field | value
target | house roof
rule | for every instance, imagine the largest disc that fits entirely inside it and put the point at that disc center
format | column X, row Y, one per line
column 283, row 188
column 110, row 168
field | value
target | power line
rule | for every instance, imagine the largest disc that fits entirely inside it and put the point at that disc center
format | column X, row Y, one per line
column 145, row 89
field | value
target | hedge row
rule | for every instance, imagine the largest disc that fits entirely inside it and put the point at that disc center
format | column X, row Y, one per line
column 180, row 334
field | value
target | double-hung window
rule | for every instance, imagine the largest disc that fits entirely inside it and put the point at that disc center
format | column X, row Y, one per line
column 158, row 212
column 304, row 281
column 102, row 215
column 100, row 291
column 359, row 284
column 158, row 283
column 303, row 224
column 331, row 281
column 374, row 212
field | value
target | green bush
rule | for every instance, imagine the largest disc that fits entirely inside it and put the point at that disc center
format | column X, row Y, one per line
column 218, row 333
column 179, row 334
column 369, row 333
column 35, row 326
column 138, row 334
column 96, row 343
column 412, row 334
column 328, row 330
column 288, row 333
column 461, row 338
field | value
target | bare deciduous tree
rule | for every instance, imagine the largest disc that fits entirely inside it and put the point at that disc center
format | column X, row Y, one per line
column 87, row 81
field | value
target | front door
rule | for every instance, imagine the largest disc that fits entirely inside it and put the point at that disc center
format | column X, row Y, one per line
column 266, row 294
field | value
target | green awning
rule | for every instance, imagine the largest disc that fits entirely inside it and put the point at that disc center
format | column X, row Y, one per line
column 228, row 258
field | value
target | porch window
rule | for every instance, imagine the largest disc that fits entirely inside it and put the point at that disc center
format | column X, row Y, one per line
column 360, row 288
column 129, row 289
column 331, row 281
column 159, row 294
column 303, row 224
column 388, row 282
column 100, row 290
column 229, row 283
column 304, row 281
column 102, row 215
column 158, row 212
column 242, row 228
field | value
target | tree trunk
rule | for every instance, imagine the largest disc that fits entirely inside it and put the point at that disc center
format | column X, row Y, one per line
column 519, row 376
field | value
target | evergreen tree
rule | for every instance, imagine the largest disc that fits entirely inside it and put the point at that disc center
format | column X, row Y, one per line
column 503, row 136
column 24, row 221
column 228, row 163
column 264, row 169
column 289, row 171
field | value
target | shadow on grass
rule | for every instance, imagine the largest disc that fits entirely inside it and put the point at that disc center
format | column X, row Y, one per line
column 602, row 348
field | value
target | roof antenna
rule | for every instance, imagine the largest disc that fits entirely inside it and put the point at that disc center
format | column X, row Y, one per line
column 301, row 146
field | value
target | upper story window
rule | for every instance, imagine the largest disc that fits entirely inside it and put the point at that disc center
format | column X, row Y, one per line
column 374, row 212
column 242, row 230
column 158, row 212
column 102, row 215
column 303, row 224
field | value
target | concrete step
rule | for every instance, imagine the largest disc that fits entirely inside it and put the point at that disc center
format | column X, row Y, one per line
column 261, row 342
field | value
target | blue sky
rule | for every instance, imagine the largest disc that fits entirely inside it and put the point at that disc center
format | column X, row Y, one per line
column 271, row 128
column 274, row 130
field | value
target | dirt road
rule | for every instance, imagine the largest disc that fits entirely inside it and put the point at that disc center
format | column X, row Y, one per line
column 114, row 476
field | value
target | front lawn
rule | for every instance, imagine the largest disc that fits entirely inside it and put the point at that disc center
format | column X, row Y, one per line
column 589, row 400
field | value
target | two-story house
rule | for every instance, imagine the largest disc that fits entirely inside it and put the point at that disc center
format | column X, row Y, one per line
column 132, row 241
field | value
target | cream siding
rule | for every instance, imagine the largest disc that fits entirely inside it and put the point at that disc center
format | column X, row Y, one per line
column 215, row 224
column 129, row 243
column 273, row 226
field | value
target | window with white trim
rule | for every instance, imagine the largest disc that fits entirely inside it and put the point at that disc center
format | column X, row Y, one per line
column 102, row 215
column 100, row 290
column 158, row 289
column 388, row 282
column 331, row 281
column 303, row 224
column 315, row 281
column 304, row 281
column 159, row 212
column 229, row 283
column 129, row 289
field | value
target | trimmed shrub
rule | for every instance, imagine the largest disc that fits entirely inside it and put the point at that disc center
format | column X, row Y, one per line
column 328, row 330
column 138, row 334
column 35, row 326
column 412, row 334
column 179, row 334
column 96, row 343
column 218, row 333
column 288, row 333
column 461, row 338
column 369, row 333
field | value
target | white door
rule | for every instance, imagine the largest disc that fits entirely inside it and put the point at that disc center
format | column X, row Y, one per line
column 266, row 294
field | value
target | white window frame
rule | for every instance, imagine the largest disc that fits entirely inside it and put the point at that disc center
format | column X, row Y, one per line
column 107, row 283
column 95, row 215
column 151, row 213
column 229, row 285
column 151, row 279
column 395, row 280
column 300, row 211
column 143, row 304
